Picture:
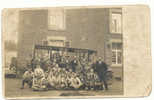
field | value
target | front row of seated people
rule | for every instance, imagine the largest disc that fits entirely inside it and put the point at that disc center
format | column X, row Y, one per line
column 58, row 78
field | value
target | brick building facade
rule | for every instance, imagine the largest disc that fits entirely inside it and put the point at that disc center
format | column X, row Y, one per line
column 88, row 28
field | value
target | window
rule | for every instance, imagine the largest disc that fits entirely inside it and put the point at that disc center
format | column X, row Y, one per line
column 59, row 43
column 44, row 42
column 116, row 53
column 56, row 41
column 56, row 19
column 116, row 26
column 67, row 44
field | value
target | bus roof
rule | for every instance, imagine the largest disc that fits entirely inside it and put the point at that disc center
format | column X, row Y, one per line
column 68, row 49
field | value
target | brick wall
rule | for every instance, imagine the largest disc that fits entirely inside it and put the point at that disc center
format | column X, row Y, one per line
column 85, row 28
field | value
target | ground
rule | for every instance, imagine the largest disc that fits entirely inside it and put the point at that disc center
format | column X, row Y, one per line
column 12, row 89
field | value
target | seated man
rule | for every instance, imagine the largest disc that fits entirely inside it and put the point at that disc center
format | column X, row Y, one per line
column 52, row 79
column 27, row 78
column 75, row 81
column 38, row 79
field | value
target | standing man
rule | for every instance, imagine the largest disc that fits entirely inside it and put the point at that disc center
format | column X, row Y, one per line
column 74, row 63
column 101, row 69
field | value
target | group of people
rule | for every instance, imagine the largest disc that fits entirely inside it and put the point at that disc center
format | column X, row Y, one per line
column 66, row 74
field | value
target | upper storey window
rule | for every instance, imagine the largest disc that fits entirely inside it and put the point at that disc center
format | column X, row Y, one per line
column 116, row 21
column 116, row 26
column 56, row 19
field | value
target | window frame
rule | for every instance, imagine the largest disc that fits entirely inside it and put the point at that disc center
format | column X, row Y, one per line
column 116, row 52
column 55, row 13
column 115, row 11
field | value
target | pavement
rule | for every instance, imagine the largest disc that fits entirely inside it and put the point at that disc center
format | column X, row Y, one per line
column 12, row 90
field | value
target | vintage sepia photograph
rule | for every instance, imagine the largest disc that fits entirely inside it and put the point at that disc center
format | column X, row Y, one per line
column 62, row 52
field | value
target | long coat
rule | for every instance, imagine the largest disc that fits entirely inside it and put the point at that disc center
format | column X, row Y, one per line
column 101, row 68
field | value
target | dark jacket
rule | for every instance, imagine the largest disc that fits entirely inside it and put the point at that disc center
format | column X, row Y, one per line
column 74, row 64
column 100, row 68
